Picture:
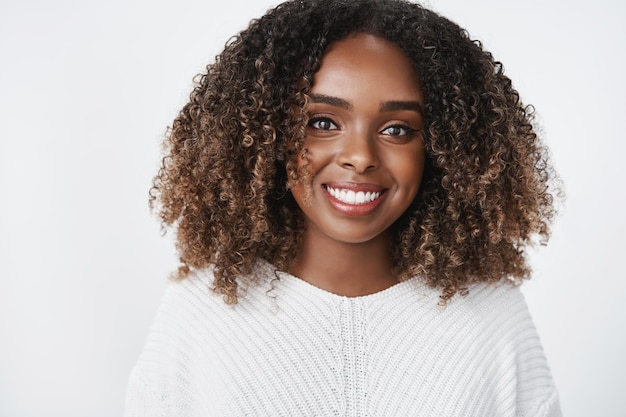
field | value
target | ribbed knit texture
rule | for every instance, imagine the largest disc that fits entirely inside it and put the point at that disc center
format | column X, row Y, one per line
column 291, row 349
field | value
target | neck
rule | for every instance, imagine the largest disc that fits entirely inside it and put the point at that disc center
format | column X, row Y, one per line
column 349, row 269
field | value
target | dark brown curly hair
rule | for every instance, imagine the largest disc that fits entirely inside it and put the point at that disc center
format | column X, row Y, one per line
column 231, row 151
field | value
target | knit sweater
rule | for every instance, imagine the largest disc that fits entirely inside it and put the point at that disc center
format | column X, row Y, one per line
column 291, row 349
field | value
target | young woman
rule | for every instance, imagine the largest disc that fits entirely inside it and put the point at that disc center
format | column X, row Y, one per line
column 352, row 186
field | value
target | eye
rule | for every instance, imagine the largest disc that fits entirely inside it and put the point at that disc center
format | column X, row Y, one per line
column 322, row 123
column 398, row 130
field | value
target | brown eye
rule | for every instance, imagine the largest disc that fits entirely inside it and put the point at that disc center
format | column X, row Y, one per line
column 398, row 130
column 322, row 123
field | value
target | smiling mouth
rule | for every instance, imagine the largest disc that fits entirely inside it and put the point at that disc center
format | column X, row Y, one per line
column 353, row 197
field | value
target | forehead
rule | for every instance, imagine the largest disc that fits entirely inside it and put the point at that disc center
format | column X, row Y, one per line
column 367, row 62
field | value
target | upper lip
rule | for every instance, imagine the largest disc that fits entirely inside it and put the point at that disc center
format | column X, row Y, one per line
column 355, row 186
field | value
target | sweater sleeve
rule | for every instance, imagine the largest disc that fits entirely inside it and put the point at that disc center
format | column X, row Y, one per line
column 141, row 401
column 536, row 392
column 155, row 381
column 551, row 407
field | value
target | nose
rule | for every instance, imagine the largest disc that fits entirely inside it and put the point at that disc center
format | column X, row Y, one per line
column 358, row 153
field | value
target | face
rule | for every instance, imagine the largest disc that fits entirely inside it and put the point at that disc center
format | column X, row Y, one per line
column 364, row 142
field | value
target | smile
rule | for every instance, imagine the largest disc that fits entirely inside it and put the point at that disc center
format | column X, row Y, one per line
column 353, row 197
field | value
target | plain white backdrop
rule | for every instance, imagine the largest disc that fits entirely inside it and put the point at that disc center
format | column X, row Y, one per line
column 87, row 89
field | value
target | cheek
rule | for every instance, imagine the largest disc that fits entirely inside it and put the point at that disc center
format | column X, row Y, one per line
column 409, row 168
column 316, row 155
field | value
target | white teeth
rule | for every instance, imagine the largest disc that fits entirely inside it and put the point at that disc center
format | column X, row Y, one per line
column 351, row 197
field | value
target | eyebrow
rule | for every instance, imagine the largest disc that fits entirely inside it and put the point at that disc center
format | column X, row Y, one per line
column 402, row 105
column 386, row 106
column 333, row 101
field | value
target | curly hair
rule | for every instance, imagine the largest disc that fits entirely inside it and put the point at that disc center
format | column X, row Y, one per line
column 485, row 195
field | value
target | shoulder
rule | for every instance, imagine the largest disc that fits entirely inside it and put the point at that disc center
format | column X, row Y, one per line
column 490, row 333
column 192, row 301
column 184, row 306
column 191, row 307
column 496, row 316
column 193, row 330
column 505, row 333
column 498, row 305
column 501, row 302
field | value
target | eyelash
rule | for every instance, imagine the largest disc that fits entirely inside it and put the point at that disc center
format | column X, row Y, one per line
column 315, row 120
column 410, row 132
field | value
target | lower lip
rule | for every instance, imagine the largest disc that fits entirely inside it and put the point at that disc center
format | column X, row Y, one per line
column 354, row 209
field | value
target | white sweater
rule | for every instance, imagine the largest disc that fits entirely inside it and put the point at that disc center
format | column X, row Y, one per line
column 291, row 349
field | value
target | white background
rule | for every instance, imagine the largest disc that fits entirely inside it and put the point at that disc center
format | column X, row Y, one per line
column 86, row 92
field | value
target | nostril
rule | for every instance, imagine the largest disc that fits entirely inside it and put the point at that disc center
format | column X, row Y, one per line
column 358, row 155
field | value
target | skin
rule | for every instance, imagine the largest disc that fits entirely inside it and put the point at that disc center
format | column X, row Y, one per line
column 364, row 134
